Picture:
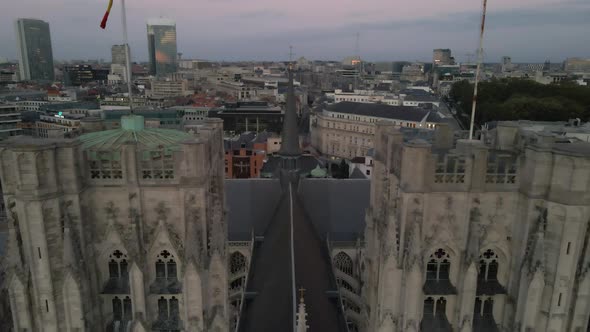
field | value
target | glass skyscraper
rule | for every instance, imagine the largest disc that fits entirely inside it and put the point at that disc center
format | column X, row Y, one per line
column 162, row 46
column 34, row 49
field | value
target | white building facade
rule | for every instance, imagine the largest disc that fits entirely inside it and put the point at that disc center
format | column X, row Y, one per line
column 337, row 131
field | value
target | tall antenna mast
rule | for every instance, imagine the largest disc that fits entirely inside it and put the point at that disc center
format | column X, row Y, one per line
column 358, row 60
column 291, row 54
column 477, row 71
column 127, row 55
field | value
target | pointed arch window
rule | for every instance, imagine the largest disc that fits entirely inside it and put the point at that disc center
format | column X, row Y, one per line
column 344, row 263
column 162, row 309
column 117, row 309
column 438, row 266
column 483, row 313
column 122, row 309
column 438, row 273
column 127, row 316
column 440, row 306
column 166, row 268
column 171, row 269
column 487, row 276
column 168, row 315
column 429, row 306
column 434, row 314
column 435, row 306
column 118, row 278
column 160, row 269
column 488, row 265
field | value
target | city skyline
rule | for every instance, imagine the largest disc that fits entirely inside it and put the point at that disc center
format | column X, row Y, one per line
column 228, row 30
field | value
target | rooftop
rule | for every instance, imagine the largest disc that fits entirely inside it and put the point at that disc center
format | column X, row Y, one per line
column 406, row 113
column 132, row 130
column 421, row 97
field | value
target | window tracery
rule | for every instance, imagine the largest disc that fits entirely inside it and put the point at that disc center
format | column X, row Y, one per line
column 488, row 265
column 501, row 169
column 117, row 281
column 118, row 265
column 487, row 275
column 237, row 262
column 104, row 164
column 438, row 266
column 157, row 164
column 166, row 266
column 449, row 169
column 344, row 263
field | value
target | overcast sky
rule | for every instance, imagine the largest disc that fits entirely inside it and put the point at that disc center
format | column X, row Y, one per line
column 527, row 30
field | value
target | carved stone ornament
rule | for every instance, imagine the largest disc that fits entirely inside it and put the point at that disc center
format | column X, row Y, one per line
column 444, row 229
column 111, row 210
column 176, row 241
column 128, row 235
column 162, row 211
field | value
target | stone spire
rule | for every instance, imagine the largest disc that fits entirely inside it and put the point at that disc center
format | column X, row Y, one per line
column 290, row 135
column 301, row 314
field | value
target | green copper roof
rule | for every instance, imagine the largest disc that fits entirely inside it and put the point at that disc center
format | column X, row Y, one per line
column 318, row 172
column 132, row 130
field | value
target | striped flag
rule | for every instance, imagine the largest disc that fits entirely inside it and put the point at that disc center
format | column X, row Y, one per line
column 103, row 23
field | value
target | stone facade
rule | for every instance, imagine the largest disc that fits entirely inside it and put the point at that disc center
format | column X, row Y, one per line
column 346, row 135
column 122, row 246
column 487, row 235
column 339, row 136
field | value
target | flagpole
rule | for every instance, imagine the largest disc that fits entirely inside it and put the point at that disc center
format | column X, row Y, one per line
column 479, row 61
column 127, row 55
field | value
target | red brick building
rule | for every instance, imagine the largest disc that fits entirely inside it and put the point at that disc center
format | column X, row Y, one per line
column 245, row 155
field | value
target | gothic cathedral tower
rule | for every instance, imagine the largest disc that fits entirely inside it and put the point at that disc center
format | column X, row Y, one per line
column 117, row 230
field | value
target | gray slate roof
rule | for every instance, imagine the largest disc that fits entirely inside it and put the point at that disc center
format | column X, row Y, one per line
column 406, row 113
column 357, row 174
column 270, row 279
column 420, row 97
column 335, row 206
column 250, row 204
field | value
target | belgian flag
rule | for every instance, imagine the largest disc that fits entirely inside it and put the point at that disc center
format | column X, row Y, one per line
column 103, row 23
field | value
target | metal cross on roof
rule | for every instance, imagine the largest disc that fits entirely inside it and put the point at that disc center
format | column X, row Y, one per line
column 301, row 293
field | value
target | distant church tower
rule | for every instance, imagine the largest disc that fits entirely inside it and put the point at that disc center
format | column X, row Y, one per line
column 119, row 230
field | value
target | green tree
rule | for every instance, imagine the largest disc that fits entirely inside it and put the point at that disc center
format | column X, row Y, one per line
column 514, row 99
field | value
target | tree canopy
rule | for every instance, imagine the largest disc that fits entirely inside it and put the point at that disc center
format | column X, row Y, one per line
column 521, row 99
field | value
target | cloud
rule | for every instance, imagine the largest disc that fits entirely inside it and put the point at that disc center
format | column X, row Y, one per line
column 263, row 29
column 264, row 13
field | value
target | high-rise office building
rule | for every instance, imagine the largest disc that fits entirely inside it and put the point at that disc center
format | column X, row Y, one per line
column 507, row 63
column 442, row 56
column 118, row 54
column 34, row 49
column 162, row 46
